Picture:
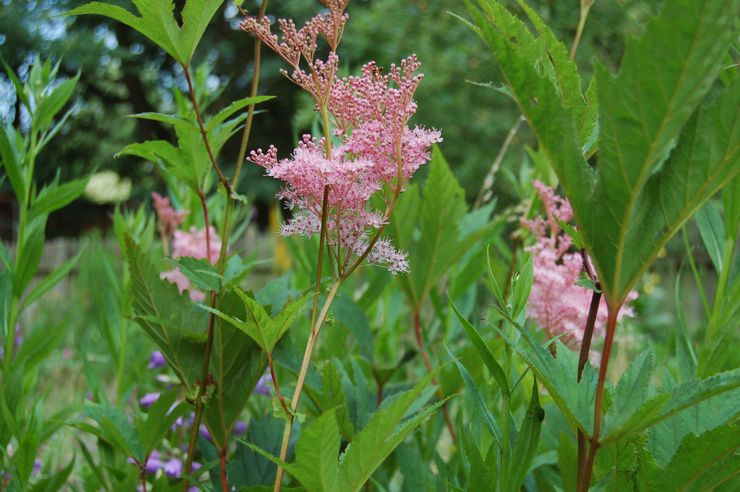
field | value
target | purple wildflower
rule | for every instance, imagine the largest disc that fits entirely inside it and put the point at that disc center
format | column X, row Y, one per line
column 148, row 399
column 263, row 385
column 173, row 468
column 156, row 360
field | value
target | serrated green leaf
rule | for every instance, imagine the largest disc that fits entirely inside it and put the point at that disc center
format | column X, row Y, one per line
column 557, row 375
column 113, row 426
column 318, row 466
column 665, row 405
column 258, row 324
column 636, row 199
column 181, row 334
column 385, row 431
column 666, row 437
column 200, row 272
column 443, row 208
column 237, row 364
column 317, row 450
column 701, row 463
column 156, row 21
column 632, row 388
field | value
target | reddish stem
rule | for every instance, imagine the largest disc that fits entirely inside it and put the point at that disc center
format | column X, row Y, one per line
column 207, row 220
column 222, row 464
column 204, row 133
column 273, row 376
column 428, row 363
column 583, row 357
column 584, row 478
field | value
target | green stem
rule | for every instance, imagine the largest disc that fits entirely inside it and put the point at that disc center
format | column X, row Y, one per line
column 585, row 9
column 316, row 322
column 719, row 295
column 430, row 370
column 250, row 110
column 310, row 344
column 506, row 414
column 695, row 271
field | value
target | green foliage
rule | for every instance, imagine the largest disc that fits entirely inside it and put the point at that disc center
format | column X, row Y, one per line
column 317, row 451
column 157, row 22
column 175, row 324
column 258, row 324
column 429, row 223
column 704, row 462
column 237, row 363
column 136, row 440
column 189, row 161
column 643, row 114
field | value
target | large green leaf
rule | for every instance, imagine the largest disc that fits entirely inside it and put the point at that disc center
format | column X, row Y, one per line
column 156, row 21
column 173, row 322
column 652, row 411
column 237, row 363
column 257, row 323
column 642, row 189
column 114, row 427
column 702, row 463
column 666, row 437
column 557, row 375
column 320, row 468
column 428, row 223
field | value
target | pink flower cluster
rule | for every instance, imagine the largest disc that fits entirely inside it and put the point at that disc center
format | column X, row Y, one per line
column 556, row 303
column 169, row 218
column 373, row 151
column 192, row 243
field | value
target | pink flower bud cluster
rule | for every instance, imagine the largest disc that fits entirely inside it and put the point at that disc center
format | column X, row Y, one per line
column 192, row 243
column 373, row 151
column 556, row 303
column 169, row 218
column 299, row 45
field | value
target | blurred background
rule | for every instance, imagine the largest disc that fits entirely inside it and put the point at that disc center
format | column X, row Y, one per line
column 122, row 73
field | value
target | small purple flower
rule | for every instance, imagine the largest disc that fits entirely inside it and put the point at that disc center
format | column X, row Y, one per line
column 204, row 432
column 148, row 399
column 36, row 467
column 240, row 428
column 264, row 385
column 173, row 468
column 156, row 360
column 153, row 464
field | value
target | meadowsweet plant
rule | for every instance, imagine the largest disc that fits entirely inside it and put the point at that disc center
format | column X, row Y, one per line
column 386, row 335
column 367, row 149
